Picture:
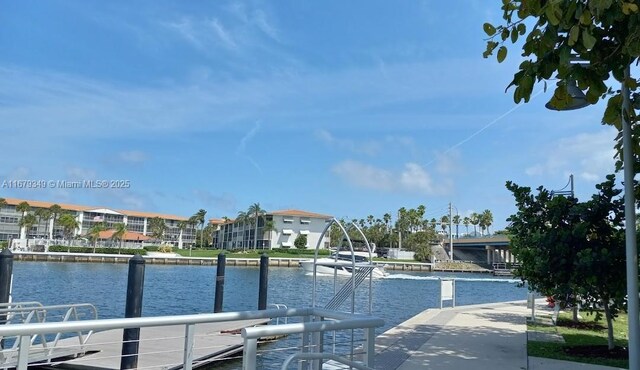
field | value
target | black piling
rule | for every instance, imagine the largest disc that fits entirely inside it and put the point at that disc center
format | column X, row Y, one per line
column 222, row 261
column 131, row 337
column 6, row 274
column 264, row 282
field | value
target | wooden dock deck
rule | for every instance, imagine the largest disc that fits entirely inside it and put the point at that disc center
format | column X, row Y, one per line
column 160, row 347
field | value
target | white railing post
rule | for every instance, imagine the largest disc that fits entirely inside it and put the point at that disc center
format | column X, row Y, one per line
column 250, row 353
column 305, row 343
column 23, row 352
column 369, row 346
column 189, row 331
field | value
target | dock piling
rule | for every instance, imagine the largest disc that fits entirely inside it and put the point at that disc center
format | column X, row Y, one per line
column 131, row 336
column 222, row 261
column 6, row 275
column 264, row 282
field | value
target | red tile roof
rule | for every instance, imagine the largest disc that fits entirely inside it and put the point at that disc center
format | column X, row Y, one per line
column 296, row 212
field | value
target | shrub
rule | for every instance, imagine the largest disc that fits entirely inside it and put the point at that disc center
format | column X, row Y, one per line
column 300, row 242
column 151, row 248
column 4, row 244
column 165, row 249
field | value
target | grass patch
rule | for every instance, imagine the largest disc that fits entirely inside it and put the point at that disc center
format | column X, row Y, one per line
column 588, row 333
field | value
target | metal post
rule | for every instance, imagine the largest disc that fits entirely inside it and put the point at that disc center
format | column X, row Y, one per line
column 370, row 347
column 451, row 231
column 131, row 336
column 222, row 261
column 264, row 282
column 189, row 332
column 6, row 274
column 630, row 228
column 23, row 352
column 249, row 354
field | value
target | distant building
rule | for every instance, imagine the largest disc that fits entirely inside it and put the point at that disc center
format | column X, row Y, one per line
column 282, row 229
column 87, row 216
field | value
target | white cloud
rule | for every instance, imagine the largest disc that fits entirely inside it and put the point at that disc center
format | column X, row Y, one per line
column 589, row 156
column 223, row 34
column 133, row 156
column 412, row 178
column 367, row 147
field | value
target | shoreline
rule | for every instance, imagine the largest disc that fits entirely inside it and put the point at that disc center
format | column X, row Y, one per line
column 203, row 261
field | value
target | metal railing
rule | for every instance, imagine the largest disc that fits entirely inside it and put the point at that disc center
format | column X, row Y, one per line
column 315, row 322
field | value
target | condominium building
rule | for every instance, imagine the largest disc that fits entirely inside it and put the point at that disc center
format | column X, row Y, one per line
column 87, row 216
column 278, row 229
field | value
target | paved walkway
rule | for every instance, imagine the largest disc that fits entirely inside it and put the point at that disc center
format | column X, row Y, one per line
column 476, row 337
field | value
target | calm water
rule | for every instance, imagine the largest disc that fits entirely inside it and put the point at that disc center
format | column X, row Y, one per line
column 174, row 290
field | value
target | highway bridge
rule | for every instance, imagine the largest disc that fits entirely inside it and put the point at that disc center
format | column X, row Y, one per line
column 494, row 249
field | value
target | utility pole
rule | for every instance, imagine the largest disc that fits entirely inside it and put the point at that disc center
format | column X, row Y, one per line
column 450, row 230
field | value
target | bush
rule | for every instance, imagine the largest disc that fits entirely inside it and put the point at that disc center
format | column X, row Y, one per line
column 4, row 244
column 151, row 248
column 64, row 248
column 300, row 242
column 165, row 249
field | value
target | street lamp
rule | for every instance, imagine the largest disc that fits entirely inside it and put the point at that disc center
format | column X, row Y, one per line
column 578, row 100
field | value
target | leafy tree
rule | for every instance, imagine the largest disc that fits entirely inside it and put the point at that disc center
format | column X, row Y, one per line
column 118, row 234
column 570, row 250
column 94, row 233
column 487, row 219
column 268, row 227
column 158, row 227
column 421, row 245
column 193, row 223
column 300, row 242
column 604, row 33
column 69, row 225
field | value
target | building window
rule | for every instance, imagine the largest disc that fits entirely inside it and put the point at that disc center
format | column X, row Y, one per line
column 287, row 220
column 304, row 220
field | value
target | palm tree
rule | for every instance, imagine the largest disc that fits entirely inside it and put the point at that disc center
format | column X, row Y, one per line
column 23, row 208
column 444, row 223
column 456, row 221
column 487, row 218
column 200, row 217
column 255, row 211
column 243, row 217
column 118, row 234
column 27, row 221
column 475, row 220
column 94, row 233
column 56, row 211
column 193, row 221
column 69, row 225
column 44, row 214
column 466, row 221
column 268, row 227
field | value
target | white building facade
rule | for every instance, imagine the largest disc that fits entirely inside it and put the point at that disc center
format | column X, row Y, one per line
column 278, row 229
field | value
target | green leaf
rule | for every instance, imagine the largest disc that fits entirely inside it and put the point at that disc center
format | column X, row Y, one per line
column 585, row 18
column 574, row 33
column 489, row 29
column 588, row 41
column 514, row 35
column 551, row 12
column 522, row 29
column 502, row 54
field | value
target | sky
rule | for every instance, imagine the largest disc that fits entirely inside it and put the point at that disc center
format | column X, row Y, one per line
column 343, row 108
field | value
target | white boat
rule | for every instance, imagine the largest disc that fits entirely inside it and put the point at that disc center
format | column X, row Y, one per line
column 341, row 264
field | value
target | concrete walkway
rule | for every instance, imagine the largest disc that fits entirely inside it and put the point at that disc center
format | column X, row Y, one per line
column 477, row 337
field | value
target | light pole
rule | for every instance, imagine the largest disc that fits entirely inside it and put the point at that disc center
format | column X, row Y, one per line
column 633, row 301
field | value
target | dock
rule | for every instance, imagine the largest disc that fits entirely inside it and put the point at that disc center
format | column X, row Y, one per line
column 160, row 347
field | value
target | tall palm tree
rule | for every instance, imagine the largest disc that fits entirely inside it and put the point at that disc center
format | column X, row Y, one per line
column 466, row 221
column 27, row 221
column 23, row 208
column 193, row 222
column 94, row 233
column 243, row 218
column 200, row 217
column 475, row 220
column 268, row 227
column 118, row 234
column 456, row 221
column 44, row 214
column 255, row 212
column 69, row 225
column 444, row 223
column 56, row 211
column 487, row 218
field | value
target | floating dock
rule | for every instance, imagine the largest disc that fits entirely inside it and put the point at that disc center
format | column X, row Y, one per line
column 160, row 347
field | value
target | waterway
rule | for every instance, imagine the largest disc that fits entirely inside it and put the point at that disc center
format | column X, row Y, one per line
column 175, row 290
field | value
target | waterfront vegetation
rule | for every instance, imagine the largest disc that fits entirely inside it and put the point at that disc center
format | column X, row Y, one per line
column 579, row 340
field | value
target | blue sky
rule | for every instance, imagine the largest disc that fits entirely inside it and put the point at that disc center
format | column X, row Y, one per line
column 343, row 108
